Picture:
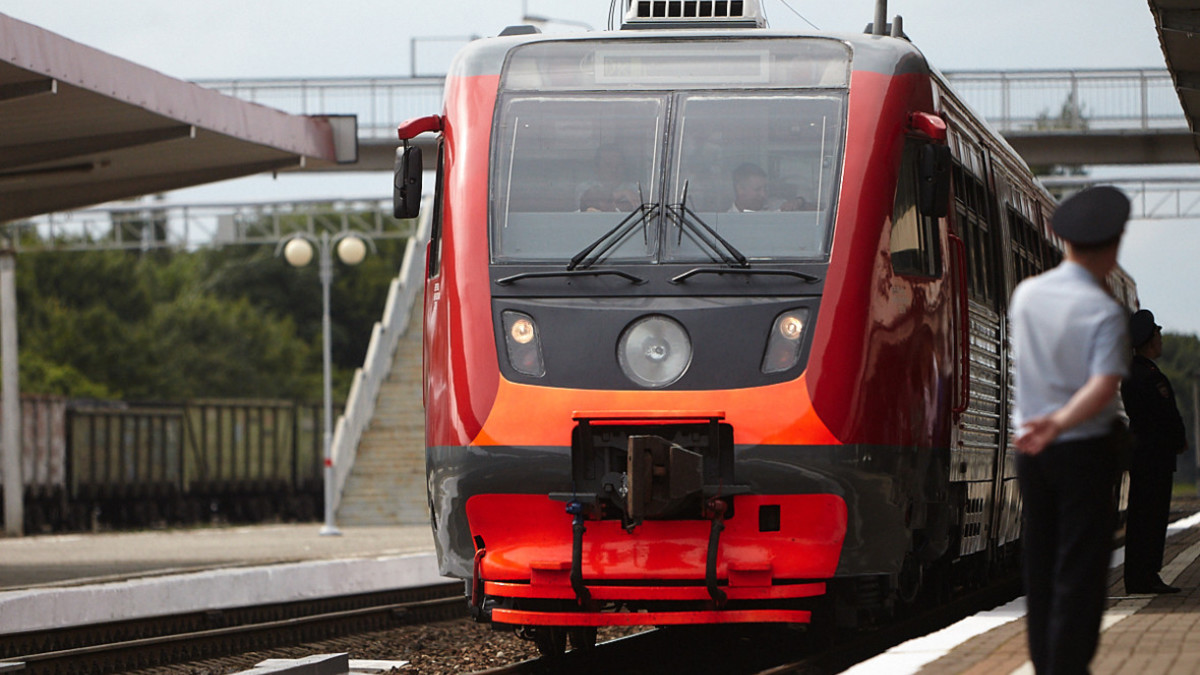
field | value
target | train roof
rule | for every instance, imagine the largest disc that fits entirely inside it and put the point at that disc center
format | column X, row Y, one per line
column 873, row 53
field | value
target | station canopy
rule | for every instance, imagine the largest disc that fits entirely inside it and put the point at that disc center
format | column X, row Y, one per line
column 1178, row 23
column 79, row 127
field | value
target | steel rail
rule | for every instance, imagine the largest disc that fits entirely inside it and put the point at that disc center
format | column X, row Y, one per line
column 175, row 647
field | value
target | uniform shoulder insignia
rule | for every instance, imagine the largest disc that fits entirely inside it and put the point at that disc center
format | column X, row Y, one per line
column 1162, row 389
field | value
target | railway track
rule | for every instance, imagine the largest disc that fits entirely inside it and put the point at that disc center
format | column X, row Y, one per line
column 129, row 645
column 760, row 650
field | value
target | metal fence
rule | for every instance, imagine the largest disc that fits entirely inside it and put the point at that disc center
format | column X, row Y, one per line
column 187, row 226
column 191, row 446
column 1150, row 198
column 380, row 103
column 89, row 463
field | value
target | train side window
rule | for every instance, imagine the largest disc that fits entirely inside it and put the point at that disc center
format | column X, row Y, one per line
column 971, row 209
column 916, row 243
column 434, row 257
column 1027, row 246
column 1051, row 255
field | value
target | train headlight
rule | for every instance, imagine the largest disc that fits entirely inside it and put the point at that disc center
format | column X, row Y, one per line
column 783, row 345
column 521, row 331
column 654, row 351
column 524, row 346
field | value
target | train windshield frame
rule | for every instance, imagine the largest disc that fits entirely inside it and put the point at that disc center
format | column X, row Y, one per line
column 636, row 137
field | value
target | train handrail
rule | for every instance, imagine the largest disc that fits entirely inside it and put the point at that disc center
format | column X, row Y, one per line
column 385, row 337
column 959, row 248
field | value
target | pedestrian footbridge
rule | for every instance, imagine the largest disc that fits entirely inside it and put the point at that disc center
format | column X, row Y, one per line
column 1071, row 117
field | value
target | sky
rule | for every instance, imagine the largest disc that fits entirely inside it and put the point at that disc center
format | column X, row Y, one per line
column 223, row 39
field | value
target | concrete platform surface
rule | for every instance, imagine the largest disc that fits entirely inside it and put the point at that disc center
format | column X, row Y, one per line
column 77, row 559
column 63, row 580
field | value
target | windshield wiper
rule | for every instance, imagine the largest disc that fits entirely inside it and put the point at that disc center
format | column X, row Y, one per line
column 698, row 229
column 744, row 272
column 570, row 273
column 638, row 216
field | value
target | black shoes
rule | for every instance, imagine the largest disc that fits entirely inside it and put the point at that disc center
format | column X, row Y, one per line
column 1157, row 587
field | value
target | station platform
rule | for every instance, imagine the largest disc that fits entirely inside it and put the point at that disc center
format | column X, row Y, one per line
column 54, row 581
column 1141, row 634
column 63, row 580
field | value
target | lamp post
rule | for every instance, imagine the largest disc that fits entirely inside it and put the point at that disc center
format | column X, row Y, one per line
column 351, row 248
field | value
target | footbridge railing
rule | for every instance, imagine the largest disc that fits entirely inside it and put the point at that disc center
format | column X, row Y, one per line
column 1012, row 100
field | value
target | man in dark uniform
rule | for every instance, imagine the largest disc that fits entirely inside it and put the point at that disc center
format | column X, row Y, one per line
column 1158, row 431
column 1070, row 342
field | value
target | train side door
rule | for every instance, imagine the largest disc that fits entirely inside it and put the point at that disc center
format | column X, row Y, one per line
column 1026, row 252
column 979, row 425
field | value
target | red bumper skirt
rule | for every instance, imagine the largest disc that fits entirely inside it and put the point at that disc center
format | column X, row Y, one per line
column 773, row 548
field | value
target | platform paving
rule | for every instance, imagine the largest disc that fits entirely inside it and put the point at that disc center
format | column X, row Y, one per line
column 1141, row 634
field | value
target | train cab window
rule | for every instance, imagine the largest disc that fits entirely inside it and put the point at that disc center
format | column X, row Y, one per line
column 570, row 168
column 916, row 241
column 766, row 184
column 637, row 147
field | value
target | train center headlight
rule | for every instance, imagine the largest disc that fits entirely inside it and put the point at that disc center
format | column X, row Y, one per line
column 654, row 351
column 524, row 347
column 783, row 344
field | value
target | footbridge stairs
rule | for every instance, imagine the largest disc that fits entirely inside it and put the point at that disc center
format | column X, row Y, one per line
column 379, row 443
column 386, row 485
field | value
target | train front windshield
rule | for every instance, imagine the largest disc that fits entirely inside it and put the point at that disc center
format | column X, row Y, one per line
column 743, row 136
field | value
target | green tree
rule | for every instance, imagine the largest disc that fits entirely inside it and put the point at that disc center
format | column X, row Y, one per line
column 1180, row 362
column 236, row 321
column 200, row 345
column 78, row 313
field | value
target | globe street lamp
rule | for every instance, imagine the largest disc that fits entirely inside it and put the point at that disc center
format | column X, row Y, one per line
column 351, row 248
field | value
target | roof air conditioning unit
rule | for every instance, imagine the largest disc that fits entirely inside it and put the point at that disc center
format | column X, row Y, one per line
column 694, row 14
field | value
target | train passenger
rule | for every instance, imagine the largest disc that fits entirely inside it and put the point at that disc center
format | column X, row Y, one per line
column 750, row 192
column 1158, row 430
column 597, row 199
column 1071, row 348
column 609, row 188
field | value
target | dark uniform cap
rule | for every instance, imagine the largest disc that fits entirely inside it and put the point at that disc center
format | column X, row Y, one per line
column 1142, row 327
column 1093, row 216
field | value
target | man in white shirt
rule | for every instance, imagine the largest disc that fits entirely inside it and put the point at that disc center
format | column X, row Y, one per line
column 1071, row 349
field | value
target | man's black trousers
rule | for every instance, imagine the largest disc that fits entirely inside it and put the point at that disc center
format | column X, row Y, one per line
column 1068, row 514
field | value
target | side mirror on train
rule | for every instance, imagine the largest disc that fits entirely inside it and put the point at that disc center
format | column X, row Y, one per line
column 406, row 189
column 934, row 168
